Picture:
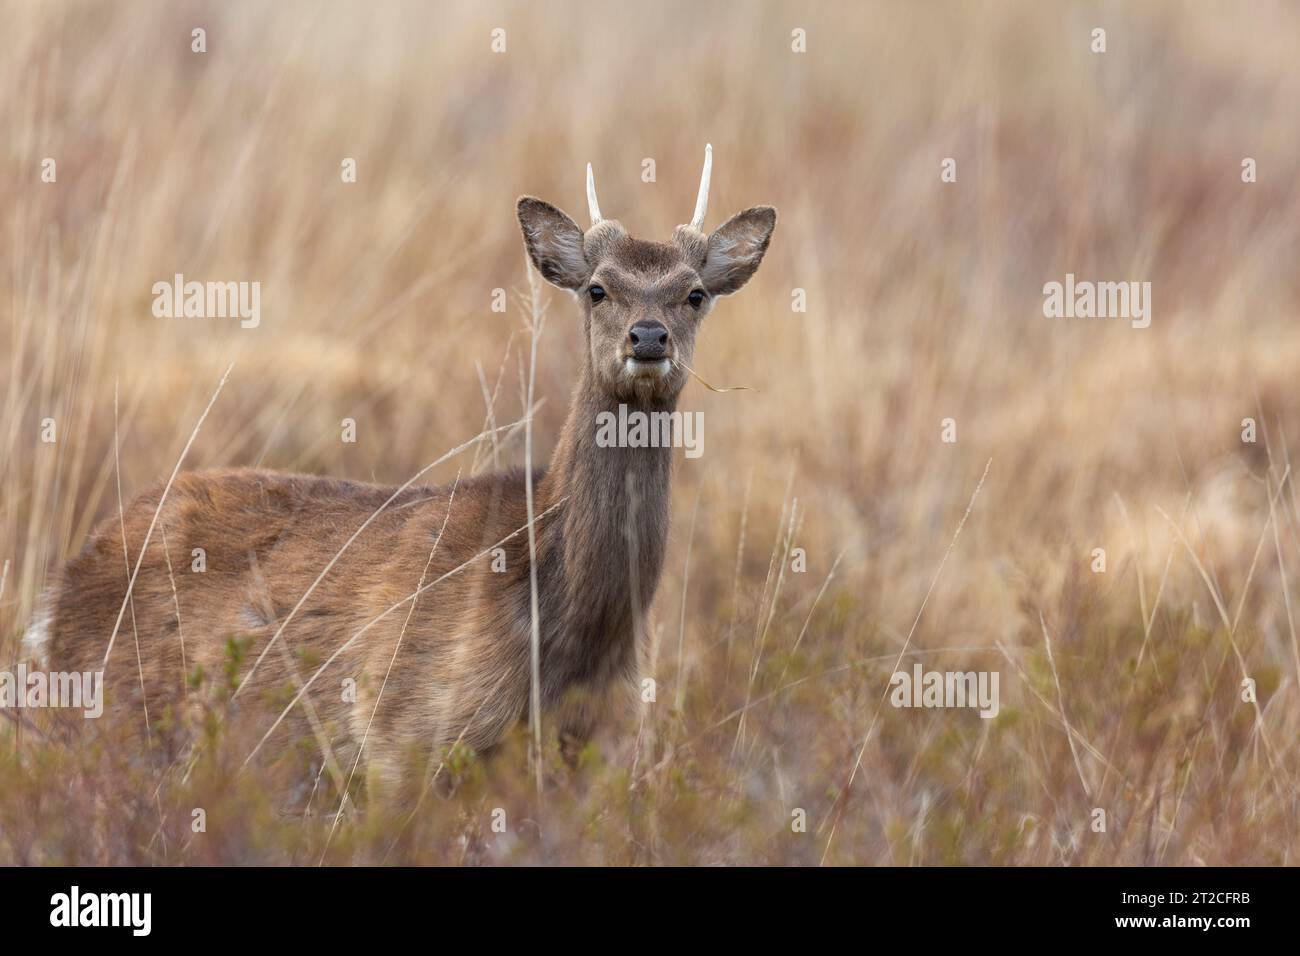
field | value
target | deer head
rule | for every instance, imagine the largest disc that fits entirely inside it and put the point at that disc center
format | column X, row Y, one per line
column 643, row 302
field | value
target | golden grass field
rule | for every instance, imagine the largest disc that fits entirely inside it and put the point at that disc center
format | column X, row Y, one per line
column 924, row 302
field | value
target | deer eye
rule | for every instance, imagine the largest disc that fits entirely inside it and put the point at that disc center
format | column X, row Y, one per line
column 596, row 293
column 696, row 298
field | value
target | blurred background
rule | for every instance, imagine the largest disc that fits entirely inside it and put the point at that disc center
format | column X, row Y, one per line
column 923, row 302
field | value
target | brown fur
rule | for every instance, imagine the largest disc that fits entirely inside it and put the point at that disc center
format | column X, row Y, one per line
column 463, row 667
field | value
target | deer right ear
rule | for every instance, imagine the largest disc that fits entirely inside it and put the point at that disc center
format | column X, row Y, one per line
column 554, row 243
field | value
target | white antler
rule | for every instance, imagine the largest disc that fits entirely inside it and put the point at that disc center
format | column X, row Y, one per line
column 592, row 206
column 702, row 201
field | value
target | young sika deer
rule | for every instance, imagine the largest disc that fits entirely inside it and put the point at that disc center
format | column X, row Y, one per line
column 454, row 661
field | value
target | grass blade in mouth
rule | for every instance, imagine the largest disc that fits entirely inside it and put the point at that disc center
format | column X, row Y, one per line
column 712, row 388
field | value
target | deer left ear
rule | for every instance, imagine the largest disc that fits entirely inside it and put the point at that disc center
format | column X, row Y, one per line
column 736, row 248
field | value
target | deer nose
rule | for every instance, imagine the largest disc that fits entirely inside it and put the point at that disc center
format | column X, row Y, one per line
column 649, row 340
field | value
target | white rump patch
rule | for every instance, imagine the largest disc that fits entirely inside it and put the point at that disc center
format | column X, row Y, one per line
column 36, row 640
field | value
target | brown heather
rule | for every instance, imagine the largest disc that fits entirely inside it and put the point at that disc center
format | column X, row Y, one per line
column 1120, row 690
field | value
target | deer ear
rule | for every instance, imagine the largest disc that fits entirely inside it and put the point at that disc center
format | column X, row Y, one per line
column 554, row 243
column 736, row 248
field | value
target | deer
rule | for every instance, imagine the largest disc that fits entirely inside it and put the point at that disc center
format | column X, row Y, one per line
column 433, row 598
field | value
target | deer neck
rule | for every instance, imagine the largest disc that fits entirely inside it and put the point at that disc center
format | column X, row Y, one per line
column 605, row 556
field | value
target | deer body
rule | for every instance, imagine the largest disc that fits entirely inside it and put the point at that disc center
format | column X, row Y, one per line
column 421, row 609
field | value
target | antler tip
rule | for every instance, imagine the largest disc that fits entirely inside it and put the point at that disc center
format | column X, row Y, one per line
column 702, row 200
column 593, row 206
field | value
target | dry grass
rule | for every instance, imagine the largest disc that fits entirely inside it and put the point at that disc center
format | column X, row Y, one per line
column 924, row 302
